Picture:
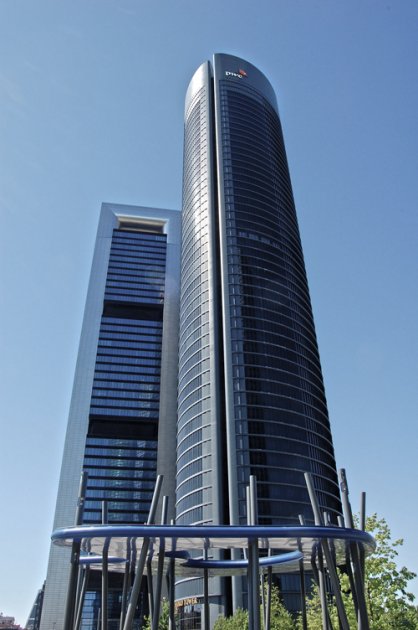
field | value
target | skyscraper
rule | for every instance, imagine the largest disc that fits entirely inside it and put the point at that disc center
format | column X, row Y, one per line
column 239, row 337
column 251, row 393
column 125, row 386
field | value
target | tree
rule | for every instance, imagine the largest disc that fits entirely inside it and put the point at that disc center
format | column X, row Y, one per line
column 164, row 617
column 238, row 621
column 389, row 602
column 390, row 605
column 281, row 619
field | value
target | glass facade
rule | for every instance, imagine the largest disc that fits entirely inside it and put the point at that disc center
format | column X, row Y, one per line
column 199, row 437
column 193, row 469
column 280, row 413
column 252, row 311
column 122, row 418
column 246, row 326
column 121, row 446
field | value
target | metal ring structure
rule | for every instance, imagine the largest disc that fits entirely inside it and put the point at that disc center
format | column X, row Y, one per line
column 282, row 548
column 298, row 541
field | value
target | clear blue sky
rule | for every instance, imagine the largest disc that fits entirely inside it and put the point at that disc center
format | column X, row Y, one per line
column 91, row 109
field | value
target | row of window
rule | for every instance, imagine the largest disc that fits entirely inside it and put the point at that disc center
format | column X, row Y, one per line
column 135, row 283
column 143, row 363
column 280, row 446
column 284, row 384
column 116, row 494
column 105, row 369
column 146, row 237
column 120, row 442
column 193, row 452
column 108, row 488
column 189, row 440
column 268, row 464
column 136, row 393
column 103, row 387
column 191, row 500
column 113, row 374
column 190, row 272
column 121, row 451
column 272, row 330
column 133, row 297
column 148, row 270
column 138, row 250
column 112, row 505
column 91, row 516
column 131, row 402
column 304, row 412
column 131, row 325
column 118, row 412
column 132, row 475
column 107, row 338
column 188, row 425
column 253, row 277
column 285, row 428
column 190, row 517
column 290, row 348
column 129, row 352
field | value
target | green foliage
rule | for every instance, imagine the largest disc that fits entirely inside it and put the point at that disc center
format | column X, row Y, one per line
column 164, row 617
column 388, row 600
column 280, row 617
column 389, row 604
column 238, row 621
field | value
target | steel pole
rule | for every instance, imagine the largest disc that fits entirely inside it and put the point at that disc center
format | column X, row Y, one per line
column 363, row 619
column 150, row 581
column 75, row 557
column 171, row 589
column 268, row 602
column 263, row 596
column 105, row 569
column 160, row 569
column 363, row 527
column 326, row 620
column 250, row 562
column 83, row 590
column 255, row 580
column 206, row 616
column 302, row 583
column 328, row 555
column 125, row 588
column 136, row 586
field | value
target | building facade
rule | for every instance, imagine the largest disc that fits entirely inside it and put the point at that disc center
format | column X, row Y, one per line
column 237, row 338
column 125, row 388
column 251, row 393
column 34, row 619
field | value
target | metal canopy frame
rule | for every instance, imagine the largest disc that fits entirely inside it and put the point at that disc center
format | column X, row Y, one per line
column 167, row 551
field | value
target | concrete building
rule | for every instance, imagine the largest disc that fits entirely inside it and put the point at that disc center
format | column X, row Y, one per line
column 125, row 388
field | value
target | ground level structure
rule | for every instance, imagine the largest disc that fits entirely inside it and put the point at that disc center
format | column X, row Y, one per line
column 167, row 553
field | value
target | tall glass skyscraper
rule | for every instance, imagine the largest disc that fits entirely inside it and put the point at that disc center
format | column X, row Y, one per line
column 125, row 388
column 238, row 339
column 251, row 393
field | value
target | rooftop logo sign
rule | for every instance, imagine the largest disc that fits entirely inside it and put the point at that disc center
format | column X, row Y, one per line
column 238, row 75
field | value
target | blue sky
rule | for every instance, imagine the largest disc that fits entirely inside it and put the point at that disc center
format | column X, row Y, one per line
column 91, row 108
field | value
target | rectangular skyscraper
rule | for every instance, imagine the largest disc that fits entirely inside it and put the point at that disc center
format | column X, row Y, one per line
column 251, row 393
column 122, row 421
